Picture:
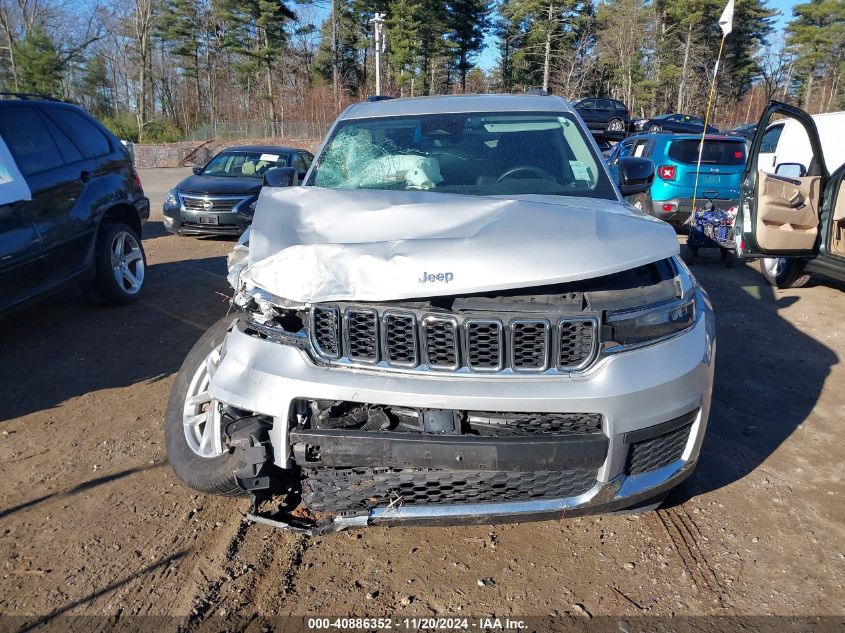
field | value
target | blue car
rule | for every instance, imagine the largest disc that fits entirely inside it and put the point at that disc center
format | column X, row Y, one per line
column 675, row 157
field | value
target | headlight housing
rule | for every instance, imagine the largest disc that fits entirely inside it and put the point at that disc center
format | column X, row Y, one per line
column 247, row 207
column 650, row 325
column 170, row 199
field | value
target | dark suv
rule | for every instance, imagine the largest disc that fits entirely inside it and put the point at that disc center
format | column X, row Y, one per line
column 71, row 204
column 604, row 114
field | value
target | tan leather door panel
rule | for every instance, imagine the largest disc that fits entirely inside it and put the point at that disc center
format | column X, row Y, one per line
column 837, row 241
column 787, row 212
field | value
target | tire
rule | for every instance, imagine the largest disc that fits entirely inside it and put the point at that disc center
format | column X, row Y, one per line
column 784, row 272
column 118, row 249
column 654, row 128
column 642, row 202
column 615, row 125
column 210, row 474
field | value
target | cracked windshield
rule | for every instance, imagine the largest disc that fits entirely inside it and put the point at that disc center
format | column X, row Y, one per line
column 474, row 154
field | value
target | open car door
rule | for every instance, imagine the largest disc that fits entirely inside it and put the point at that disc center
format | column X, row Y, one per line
column 780, row 204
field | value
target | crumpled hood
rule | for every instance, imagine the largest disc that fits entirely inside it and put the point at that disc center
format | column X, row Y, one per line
column 309, row 244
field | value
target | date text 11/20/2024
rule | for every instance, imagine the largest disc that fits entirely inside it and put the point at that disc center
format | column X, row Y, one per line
column 416, row 624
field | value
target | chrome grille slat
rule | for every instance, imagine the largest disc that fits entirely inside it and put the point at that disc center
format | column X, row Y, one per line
column 404, row 337
column 325, row 331
column 441, row 342
column 484, row 348
column 530, row 344
column 577, row 343
column 361, row 334
column 400, row 339
column 218, row 204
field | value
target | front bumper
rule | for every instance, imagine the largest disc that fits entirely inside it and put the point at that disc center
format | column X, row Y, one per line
column 635, row 392
column 185, row 222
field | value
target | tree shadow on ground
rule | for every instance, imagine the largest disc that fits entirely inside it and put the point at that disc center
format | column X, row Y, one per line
column 62, row 347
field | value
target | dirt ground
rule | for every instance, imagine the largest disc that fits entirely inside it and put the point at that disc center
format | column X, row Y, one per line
column 93, row 522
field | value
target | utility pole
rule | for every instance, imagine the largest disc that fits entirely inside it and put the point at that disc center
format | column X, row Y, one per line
column 335, row 77
column 378, row 24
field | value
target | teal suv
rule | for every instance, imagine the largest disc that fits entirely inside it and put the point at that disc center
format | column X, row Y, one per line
column 675, row 157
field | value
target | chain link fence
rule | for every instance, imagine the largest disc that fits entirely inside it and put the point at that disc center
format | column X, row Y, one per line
column 259, row 129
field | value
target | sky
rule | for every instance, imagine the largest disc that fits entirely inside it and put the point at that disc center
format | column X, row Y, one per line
column 489, row 56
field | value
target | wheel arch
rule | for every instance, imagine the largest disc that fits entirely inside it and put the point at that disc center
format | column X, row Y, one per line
column 122, row 212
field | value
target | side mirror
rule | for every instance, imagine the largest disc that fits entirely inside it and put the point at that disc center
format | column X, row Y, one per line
column 197, row 170
column 281, row 177
column 791, row 170
column 635, row 174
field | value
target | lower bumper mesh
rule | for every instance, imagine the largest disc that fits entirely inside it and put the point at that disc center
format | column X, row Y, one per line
column 657, row 452
column 336, row 490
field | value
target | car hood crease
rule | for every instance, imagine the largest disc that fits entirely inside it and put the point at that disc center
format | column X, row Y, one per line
column 309, row 244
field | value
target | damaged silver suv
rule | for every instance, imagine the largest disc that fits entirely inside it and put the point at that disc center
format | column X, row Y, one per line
column 456, row 318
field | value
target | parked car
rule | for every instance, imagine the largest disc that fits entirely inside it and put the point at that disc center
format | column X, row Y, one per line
column 219, row 199
column 676, row 158
column 446, row 325
column 745, row 131
column 792, row 214
column 681, row 123
column 71, row 204
column 604, row 114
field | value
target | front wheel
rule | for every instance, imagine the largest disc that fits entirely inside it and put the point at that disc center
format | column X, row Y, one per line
column 784, row 272
column 654, row 128
column 196, row 446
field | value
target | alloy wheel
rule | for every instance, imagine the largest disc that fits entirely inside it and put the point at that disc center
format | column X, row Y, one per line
column 127, row 262
column 201, row 414
column 774, row 265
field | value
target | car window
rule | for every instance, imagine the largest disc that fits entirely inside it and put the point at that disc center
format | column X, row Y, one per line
column 237, row 164
column 618, row 105
column 476, row 153
column 70, row 153
column 625, row 149
column 308, row 158
column 714, row 152
column 587, row 104
column 675, row 118
column 640, row 148
column 695, row 120
column 30, row 142
column 84, row 134
column 298, row 163
column 769, row 144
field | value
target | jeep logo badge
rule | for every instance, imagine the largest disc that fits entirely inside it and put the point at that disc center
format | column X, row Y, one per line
column 434, row 277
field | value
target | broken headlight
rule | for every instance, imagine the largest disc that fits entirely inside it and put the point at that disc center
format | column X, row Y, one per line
column 649, row 325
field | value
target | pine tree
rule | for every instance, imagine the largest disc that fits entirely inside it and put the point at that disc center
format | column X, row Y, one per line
column 39, row 64
column 816, row 36
column 256, row 30
column 468, row 21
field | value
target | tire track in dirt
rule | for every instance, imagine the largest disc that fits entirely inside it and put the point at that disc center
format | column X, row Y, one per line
column 684, row 536
column 240, row 580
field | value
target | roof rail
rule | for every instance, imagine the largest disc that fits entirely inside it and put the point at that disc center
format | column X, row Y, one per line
column 374, row 98
column 29, row 96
